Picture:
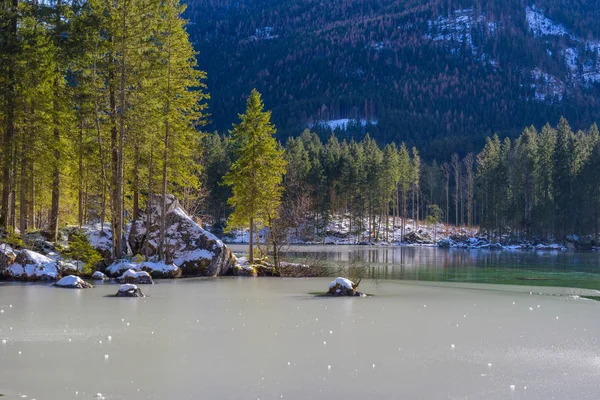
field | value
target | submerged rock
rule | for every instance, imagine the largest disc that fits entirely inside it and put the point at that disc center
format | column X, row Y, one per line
column 343, row 287
column 129, row 290
column 32, row 266
column 195, row 251
column 73, row 282
column 135, row 277
column 99, row 276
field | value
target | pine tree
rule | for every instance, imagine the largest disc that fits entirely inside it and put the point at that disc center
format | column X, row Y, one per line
column 255, row 176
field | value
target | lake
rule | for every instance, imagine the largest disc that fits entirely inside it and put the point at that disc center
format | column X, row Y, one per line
column 268, row 338
column 516, row 267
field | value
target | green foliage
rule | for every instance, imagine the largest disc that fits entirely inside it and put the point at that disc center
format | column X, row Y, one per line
column 81, row 250
column 255, row 176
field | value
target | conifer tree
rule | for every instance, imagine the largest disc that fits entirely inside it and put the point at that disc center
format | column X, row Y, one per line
column 255, row 176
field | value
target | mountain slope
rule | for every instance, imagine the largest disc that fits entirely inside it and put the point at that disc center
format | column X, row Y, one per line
column 442, row 74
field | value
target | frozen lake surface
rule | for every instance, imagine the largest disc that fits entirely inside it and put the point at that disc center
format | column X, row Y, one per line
column 235, row 338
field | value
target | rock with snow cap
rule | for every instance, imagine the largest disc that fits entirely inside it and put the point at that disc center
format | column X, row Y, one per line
column 194, row 250
column 73, row 282
column 32, row 266
column 99, row 276
column 129, row 290
column 343, row 287
column 135, row 277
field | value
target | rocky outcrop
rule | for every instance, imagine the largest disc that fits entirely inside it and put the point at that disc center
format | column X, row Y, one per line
column 39, row 241
column 342, row 287
column 575, row 242
column 135, row 277
column 129, row 290
column 32, row 266
column 417, row 238
column 73, row 282
column 195, row 251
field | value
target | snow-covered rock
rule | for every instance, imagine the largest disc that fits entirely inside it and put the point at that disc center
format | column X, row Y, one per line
column 135, row 277
column 32, row 266
column 129, row 290
column 99, row 276
column 343, row 287
column 73, row 282
column 196, row 251
column 157, row 270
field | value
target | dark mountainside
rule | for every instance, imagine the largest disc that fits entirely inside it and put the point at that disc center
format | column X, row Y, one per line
column 441, row 76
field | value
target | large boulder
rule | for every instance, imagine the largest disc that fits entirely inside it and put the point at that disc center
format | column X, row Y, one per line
column 135, row 277
column 195, row 251
column 129, row 290
column 73, row 282
column 158, row 270
column 32, row 266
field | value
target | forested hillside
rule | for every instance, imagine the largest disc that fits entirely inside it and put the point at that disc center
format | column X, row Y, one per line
column 441, row 75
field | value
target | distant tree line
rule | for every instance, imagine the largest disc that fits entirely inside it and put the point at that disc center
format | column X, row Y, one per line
column 540, row 186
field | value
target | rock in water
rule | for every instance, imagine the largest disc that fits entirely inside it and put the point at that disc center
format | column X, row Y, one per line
column 135, row 277
column 191, row 248
column 73, row 282
column 343, row 287
column 99, row 276
column 129, row 290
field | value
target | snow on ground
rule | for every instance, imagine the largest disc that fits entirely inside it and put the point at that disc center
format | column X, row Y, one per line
column 546, row 86
column 458, row 28
column 541, row 25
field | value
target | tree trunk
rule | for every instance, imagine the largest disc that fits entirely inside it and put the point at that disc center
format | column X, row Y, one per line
column 9, row 131
column 55, row 120
column 250, row 242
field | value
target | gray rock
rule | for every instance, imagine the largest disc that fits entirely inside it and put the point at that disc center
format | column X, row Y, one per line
column 196, row 251
column 72, row 282
column 129, row 290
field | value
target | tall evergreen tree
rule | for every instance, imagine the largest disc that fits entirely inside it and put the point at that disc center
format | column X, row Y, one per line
column 255, row 176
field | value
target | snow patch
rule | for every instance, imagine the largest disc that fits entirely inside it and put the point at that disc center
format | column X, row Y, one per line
column 127, row 287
